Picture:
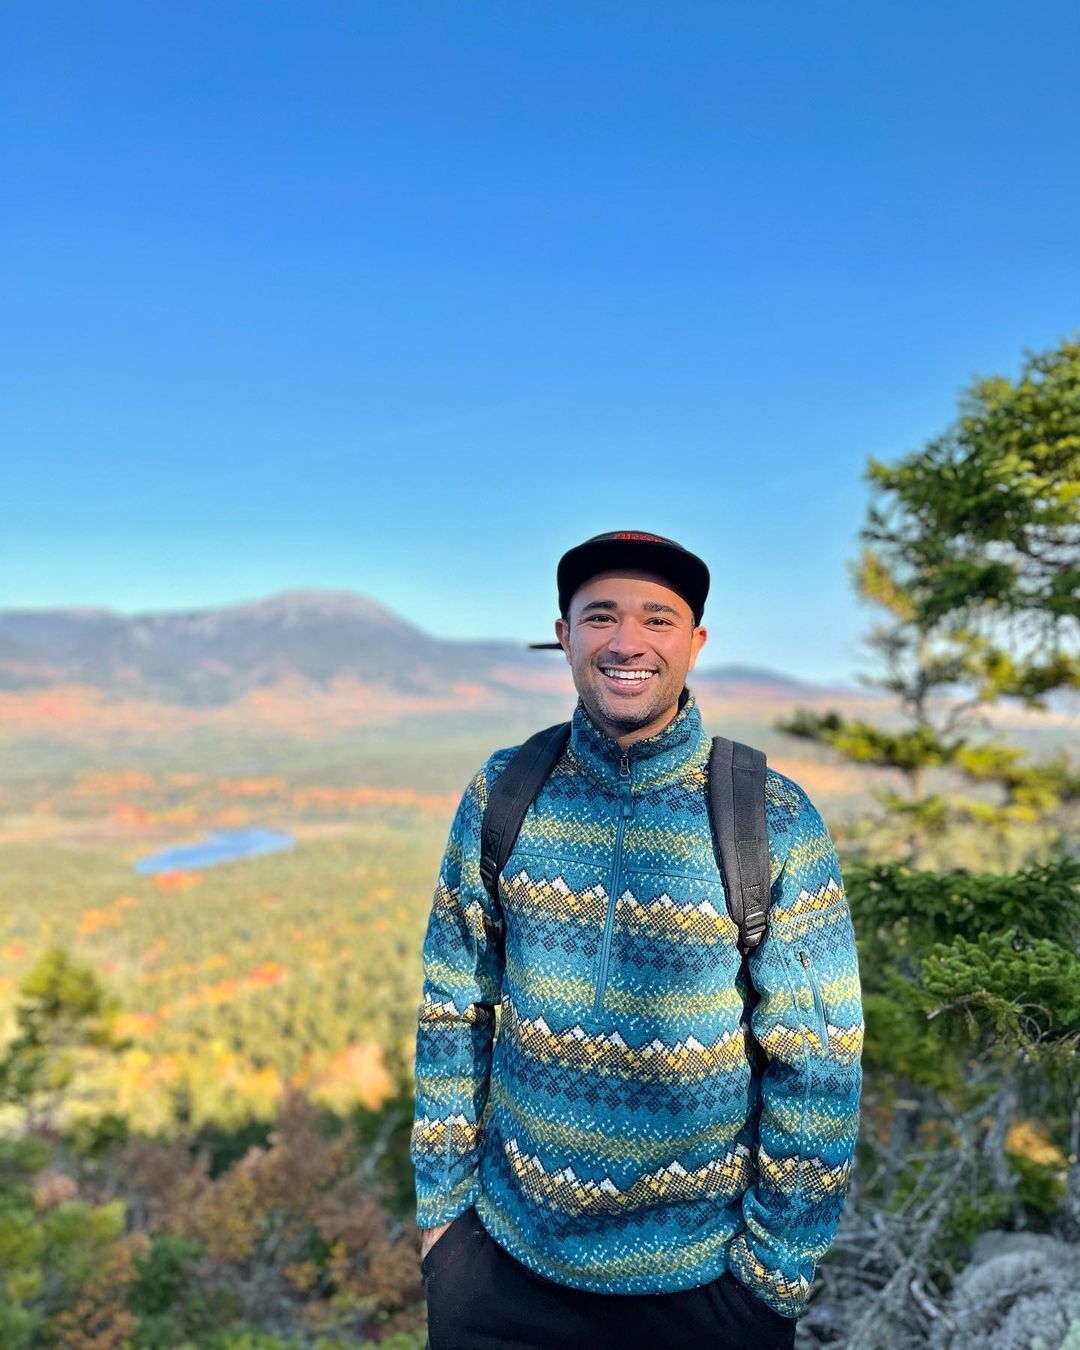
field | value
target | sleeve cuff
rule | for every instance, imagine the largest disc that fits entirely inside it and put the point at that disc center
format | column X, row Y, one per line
column 784, row 1293
column 436, row 1210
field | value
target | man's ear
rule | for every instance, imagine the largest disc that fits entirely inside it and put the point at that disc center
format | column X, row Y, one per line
column 562, row 632
column 696, row 643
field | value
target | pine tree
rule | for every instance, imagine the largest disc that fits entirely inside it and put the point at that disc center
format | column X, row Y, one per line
column 970, row 977
column 972, row 549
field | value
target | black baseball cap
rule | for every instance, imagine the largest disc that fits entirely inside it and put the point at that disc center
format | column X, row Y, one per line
column 638, row 549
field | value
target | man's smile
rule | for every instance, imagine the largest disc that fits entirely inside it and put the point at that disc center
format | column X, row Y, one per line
column 628, row 677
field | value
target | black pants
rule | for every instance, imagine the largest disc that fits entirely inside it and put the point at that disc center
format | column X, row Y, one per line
column 479, row 1297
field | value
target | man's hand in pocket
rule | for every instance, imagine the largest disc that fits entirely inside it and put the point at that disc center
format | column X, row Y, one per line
column 429, row 1236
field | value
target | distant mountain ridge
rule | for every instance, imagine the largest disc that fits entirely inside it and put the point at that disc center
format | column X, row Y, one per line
column 212, row 656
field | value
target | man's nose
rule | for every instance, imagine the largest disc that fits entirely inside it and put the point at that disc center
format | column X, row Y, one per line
column 626, row 641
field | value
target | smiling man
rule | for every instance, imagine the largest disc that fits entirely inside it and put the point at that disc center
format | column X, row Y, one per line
column 655, row 1148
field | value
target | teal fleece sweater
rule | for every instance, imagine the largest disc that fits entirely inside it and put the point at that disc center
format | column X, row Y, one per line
column 594, row 1072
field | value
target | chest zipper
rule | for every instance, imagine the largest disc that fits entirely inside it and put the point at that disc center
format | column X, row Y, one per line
column 626, row 810
column 819, row 1002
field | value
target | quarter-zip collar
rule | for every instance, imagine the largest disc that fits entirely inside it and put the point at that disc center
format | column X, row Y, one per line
column 668, row 754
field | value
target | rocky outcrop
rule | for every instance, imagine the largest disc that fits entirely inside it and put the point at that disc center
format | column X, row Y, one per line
column 1021, row 1291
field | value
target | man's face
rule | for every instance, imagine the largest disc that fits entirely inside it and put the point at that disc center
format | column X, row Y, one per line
column 629, row 621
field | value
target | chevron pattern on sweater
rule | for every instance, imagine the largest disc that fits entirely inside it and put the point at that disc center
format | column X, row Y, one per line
column 566, row 1191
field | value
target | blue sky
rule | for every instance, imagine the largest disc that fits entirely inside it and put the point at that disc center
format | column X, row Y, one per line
column 408, row 298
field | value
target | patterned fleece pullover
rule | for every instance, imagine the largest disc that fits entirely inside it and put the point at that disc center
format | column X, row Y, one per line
column 594, row 1072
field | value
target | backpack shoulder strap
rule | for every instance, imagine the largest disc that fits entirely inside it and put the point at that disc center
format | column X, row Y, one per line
column 510, row 796
column 737, row 806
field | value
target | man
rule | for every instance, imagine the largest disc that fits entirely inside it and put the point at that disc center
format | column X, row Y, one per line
column 655, row 1149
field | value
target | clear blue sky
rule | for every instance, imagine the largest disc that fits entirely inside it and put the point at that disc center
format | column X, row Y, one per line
column 408, row 298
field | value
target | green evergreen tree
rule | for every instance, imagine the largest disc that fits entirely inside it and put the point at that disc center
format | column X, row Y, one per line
column 970, row 976
column 62, row 1008
column 972, row 549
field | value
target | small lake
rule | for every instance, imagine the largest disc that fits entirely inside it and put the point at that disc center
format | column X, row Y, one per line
column 218, row 846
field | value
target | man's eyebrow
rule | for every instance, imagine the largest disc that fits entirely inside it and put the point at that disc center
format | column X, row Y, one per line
column 654, row 606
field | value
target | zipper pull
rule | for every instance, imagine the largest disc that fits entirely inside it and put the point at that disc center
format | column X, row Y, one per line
column 819, row 1002
column 624, row 776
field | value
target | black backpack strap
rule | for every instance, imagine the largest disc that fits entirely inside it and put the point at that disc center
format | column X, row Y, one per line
column 510, row 797
column 737, row 803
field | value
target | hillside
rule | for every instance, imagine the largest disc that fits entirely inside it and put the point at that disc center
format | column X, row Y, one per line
column 298, row 639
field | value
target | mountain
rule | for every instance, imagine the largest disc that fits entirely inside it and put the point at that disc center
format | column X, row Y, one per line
column 210, row 657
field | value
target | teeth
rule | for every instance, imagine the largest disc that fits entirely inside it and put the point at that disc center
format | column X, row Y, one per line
column 630, row 674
